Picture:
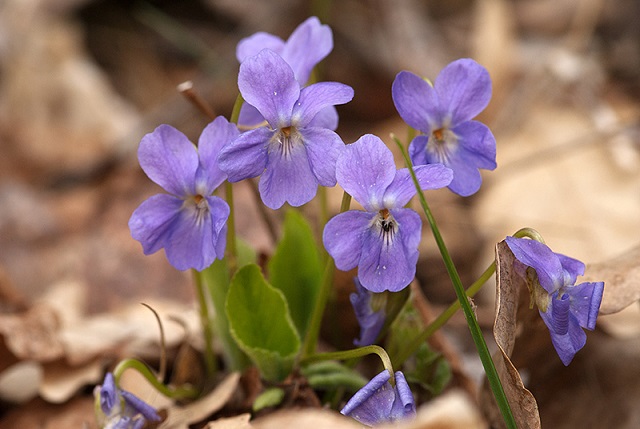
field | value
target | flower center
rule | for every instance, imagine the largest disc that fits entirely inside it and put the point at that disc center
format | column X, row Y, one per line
column 285, row 140
column 442, row 144
column 387, row 226
column 199, row 205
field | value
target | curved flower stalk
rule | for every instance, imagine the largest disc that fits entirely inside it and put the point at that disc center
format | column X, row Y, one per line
column 119, row 409
column 565, row 307
column 443, row 112
column 190, row 223
column 379, row 402
column 309, row 44
column 291, row 155
column 383, row 240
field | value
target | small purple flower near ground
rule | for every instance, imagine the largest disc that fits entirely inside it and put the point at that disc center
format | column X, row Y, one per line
column 190, row 224
column 565, row 307
column 443, row 112
column 383, row 240
column 119, row 409
column 309, row 44
column 370, row 321
column 379, row 402
column 291, row 156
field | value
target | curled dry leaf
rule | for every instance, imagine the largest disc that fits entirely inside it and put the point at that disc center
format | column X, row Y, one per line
column 61, row 380
column 237, row 422
column 621, row 277
column 508, row 298
column 182, row 417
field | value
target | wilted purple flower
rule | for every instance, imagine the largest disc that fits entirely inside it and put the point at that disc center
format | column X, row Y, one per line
column 292, row 156
column 190, row 224
column 383, row 240
column 119, row 409
column 443, row 112
column 309, row 44
column 370, row 321
column 379, row 402
column 565, row 307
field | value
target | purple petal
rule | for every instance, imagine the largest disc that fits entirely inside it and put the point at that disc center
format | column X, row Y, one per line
column 365, row 169
column 372, row 404
column 418, row 150
column 214, row 137
column 249, row 116
column 342, row 237
column 585, row 303
column 404, row 405
column 416, row 101
column 307, row 46
column 108, row 394
column 252, row 45
column 152, row 222
column 476, row 148
column 317, row 97
column 326, row 118
column 323, row 148
column 169, row 159
column 464, row 89
column 390, row 264
column 566, row 345
column 542, row 259
column 560, row 313
column 136, row 405
column 402, row 189
column 572, row 268
column 266, row 82
column 194, row 235
column 288, row 178
column 246, row 156
column 370, row 322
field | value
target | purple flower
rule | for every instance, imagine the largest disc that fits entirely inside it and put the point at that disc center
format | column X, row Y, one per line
column 119, row 409
column 379, row 402
column 443, row 113
column 383, row 240
column 370, row 321
column 565, row 307
column 309, row 44
column 190, row 224
column 290, row 154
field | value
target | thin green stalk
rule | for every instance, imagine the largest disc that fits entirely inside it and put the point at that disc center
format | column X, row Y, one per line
column 206, row 322
column 354, row 354
column 177, row 393
column 313, row 332
column 476, row 333
column 439, row 321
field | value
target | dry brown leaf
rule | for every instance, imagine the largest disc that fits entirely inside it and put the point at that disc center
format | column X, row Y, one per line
column 61, row 381
column 306, row 418
column 508, row 291
column 19, row 383
column 182, row 417
column 33, row 335
column 237, row 422
column 621, row 277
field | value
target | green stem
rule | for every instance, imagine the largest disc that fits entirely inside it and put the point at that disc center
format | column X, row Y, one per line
column 177, row 393
column 206, row 322
column 313, row 332
column 354, row 354
column 476, row 333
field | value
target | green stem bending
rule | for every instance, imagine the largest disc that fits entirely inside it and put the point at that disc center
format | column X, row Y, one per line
column 476, row 333
column 177, row 393
column 353, row 354
column 206, row 322
column 313, row 332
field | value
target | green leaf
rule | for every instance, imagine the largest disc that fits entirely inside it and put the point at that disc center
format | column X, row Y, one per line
column 216, row 278
column 271, row 397
column 260, row 323
column 296, row 269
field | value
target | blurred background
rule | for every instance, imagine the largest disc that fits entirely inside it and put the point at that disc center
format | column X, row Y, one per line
column 81, row 81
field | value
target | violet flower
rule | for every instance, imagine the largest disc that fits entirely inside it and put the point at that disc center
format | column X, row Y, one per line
column 383, row 240
column 292, row 156
column 443, row 112
column 565, row 307
column 379, row 402
column 370, row 321
column 119, row 409
column 309, row 44
column 190, row 224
